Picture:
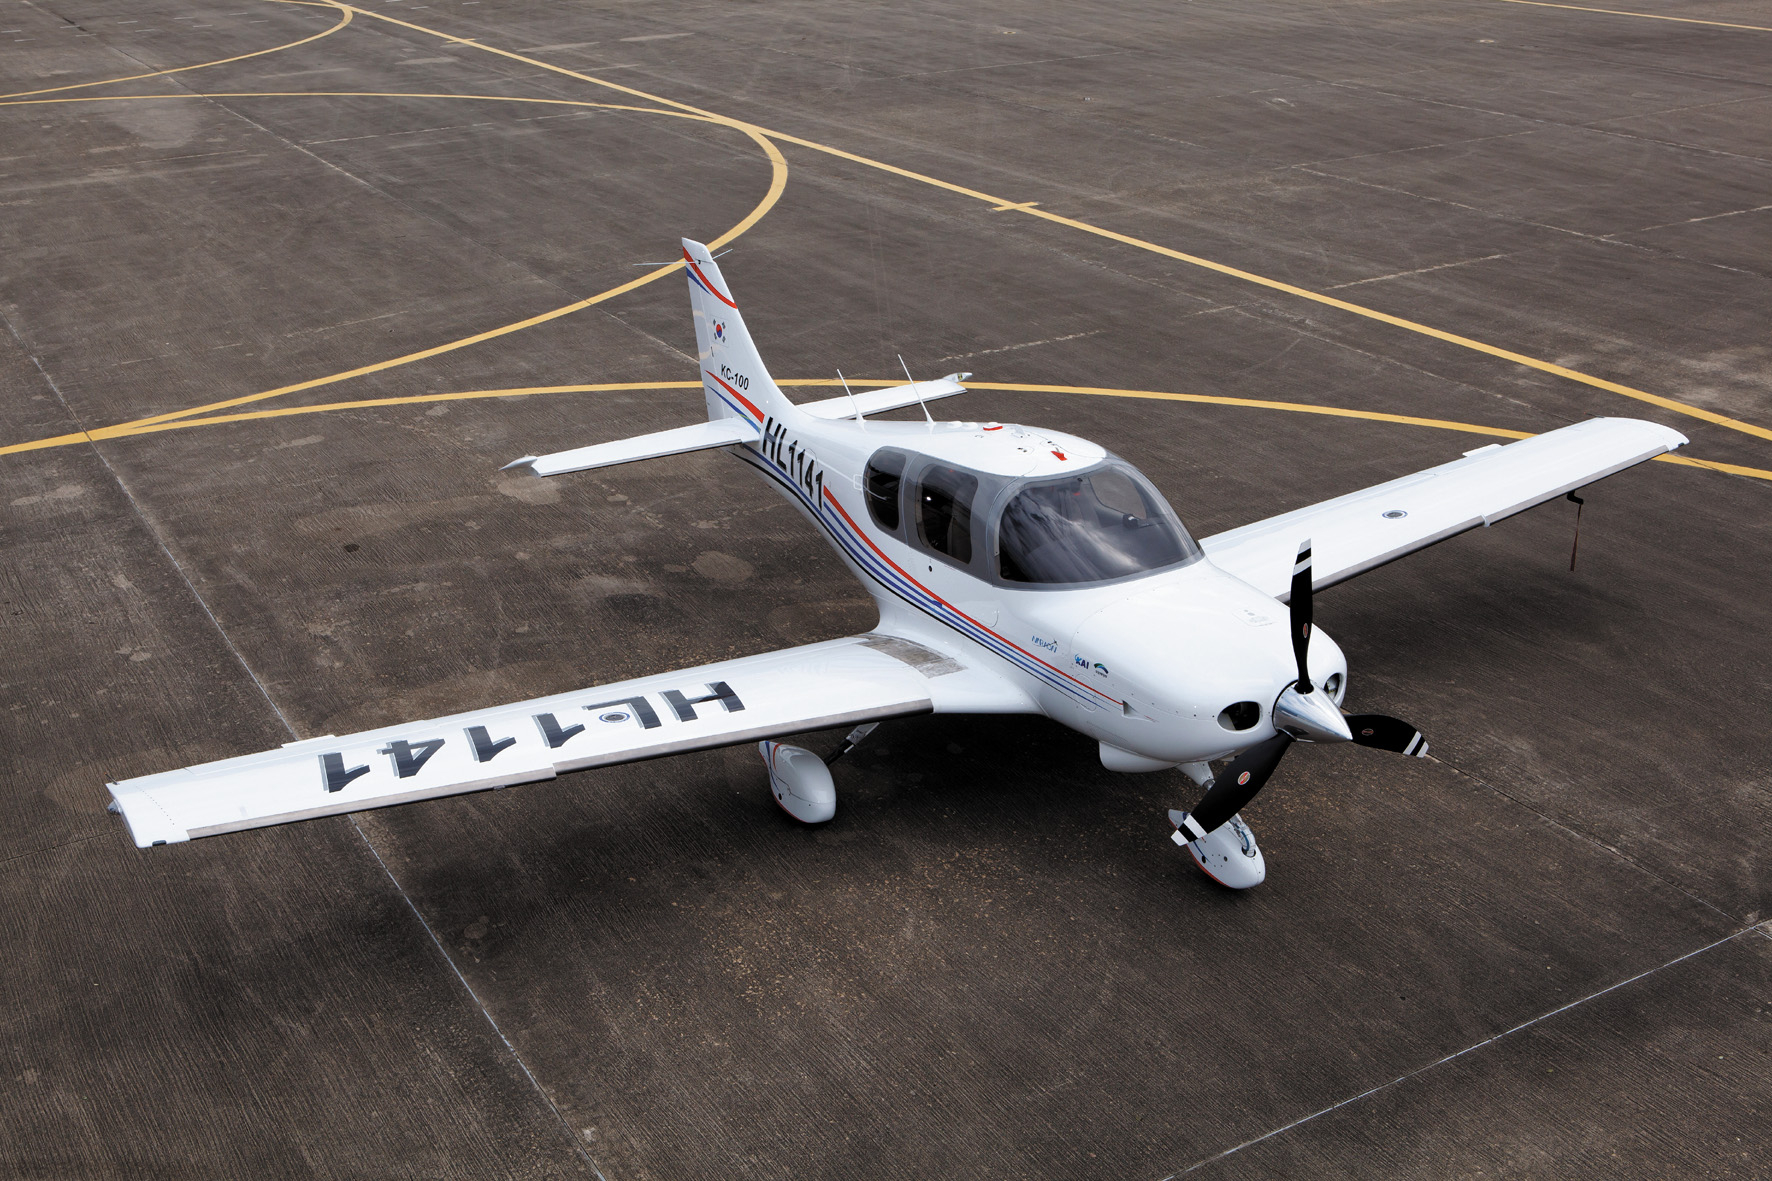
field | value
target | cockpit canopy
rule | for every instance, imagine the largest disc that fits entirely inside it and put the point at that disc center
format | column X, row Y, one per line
column 1102, row 523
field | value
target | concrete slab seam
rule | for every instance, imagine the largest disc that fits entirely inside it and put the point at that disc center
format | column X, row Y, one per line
column 577, row 1146
column 264, row 691
column 1403, row 1078
column 379, row 192
column 1580, row 835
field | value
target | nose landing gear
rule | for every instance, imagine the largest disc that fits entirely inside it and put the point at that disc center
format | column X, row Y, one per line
column 1228, row 855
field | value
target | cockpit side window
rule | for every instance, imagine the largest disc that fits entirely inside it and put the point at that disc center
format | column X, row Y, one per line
column 885, row 472
column 1095, row 527
column 944, row 511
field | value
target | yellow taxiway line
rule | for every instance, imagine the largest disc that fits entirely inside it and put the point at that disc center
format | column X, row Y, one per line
column 1030, row 209
column 1648, row 16
column 343, row 20
column 777, row 185
column 147, row 427
column 763, row 137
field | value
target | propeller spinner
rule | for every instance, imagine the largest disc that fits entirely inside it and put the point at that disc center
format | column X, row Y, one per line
column 1302, row 712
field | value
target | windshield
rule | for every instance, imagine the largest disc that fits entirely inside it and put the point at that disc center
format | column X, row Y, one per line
column 1104, row 524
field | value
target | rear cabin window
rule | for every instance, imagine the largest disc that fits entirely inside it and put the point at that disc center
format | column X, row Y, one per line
column 884, row 474
column 1096, row 527
column 944, row 511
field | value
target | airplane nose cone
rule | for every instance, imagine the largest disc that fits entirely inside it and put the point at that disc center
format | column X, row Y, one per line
column 1312, row 716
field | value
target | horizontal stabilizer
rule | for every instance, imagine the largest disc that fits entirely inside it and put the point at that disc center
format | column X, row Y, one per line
column 699, row 437
column 895, row 398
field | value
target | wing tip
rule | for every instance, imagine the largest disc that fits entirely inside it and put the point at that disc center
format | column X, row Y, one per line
column 147, row 827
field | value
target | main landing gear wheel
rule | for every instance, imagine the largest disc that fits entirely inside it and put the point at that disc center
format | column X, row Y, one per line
column 1228, row 854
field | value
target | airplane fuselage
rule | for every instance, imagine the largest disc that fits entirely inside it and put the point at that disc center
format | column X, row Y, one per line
column 1175, row 665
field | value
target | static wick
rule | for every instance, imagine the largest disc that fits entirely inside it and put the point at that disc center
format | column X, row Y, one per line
column 1577, row 542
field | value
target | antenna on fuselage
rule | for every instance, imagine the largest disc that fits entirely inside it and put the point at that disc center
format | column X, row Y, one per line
column 854, row 405
column 915, row 390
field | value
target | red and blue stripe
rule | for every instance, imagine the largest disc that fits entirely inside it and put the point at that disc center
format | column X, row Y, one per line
column 701, row 280
column 749, row 406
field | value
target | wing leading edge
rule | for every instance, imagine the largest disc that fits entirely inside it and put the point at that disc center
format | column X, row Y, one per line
column 1363, row 530
column 838, row 683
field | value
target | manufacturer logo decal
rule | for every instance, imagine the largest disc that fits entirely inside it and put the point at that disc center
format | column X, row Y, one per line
column 1080, row 662
column 1049, row 645
column 1101, row 670
column 1243, row 779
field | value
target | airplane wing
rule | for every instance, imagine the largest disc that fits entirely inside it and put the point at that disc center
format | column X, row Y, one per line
column 1363, row 530
column 838, row 683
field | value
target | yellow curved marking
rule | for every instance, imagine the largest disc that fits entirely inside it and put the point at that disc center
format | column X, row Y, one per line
column 763, row 135
column 1469, row 428
column 343, row 20
column 1648, row 16
column 1029, row 210
column 777, row 184
column 127, row 430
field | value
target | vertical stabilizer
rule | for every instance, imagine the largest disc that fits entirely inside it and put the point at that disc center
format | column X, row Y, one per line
column 733, row 378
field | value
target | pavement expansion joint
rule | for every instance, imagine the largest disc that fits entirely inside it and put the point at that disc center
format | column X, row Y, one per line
column 1470, row 1049
column 431, row 933
column 1577, row 833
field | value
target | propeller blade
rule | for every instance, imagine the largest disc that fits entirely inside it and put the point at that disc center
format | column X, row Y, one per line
column 1387, row 733
column 1300, row 604
column 1234, row 787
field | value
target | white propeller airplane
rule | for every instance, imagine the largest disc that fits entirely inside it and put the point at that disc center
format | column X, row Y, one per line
column 1016, row 570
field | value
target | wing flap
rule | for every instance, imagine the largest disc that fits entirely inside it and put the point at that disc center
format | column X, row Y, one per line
column 892, row 398
column 699, row 436
column 842, row 682
column 1363, row 530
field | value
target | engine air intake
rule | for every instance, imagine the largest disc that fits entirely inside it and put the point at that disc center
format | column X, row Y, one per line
column 1241, row 716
